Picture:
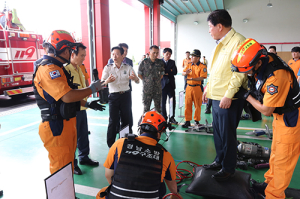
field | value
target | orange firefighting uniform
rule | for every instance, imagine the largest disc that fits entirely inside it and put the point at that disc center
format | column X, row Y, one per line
column 194, row 93
column 61, row 148
column 295, row 66
column 186, row 62
column 169, row 167
column 285, row 148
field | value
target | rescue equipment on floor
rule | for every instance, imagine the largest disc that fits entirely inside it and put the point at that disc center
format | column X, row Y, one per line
column 208, row 128
column 268, row 132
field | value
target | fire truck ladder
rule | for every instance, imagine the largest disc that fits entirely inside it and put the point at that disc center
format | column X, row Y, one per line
column 5, row 52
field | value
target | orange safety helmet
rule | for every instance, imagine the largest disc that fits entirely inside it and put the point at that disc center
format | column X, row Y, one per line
column 153, row 122
column 246, row 56
column 61, row 39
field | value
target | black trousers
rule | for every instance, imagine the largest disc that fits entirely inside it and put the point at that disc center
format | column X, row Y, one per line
column 225, row 122
column 167, row 91
column 83, row 144
column 185, row 81
column 119, row 107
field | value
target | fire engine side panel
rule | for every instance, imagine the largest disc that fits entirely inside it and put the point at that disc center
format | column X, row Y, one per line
column 16, row 61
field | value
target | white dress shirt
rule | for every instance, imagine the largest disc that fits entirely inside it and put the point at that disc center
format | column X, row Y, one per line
column 121, row 74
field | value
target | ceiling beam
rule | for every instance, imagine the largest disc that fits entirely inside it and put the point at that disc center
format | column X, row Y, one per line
column 187, row 7
column 208, row 5
column 178, row 6
column 167, row 10
column 216, row 4
column 173, row 7
column 194, row 7
column 201, row 6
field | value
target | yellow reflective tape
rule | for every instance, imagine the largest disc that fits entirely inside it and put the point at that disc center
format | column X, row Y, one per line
column 61, row 31
column 17, row 79
column 245, row 47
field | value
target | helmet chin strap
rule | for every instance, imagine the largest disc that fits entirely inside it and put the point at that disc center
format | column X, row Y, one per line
column 64, row 59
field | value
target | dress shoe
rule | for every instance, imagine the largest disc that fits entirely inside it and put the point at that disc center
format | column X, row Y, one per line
column 259, row 187
column 89, row 162
column 245, row 116
column 207, row 111
column 213, row 165
column 173, row 121
column 222, row 175
column 186, row 124
column 77, row 170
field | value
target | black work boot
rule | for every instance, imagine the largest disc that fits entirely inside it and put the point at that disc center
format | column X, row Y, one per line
column 186, row 124
column 173, row 121
column 259, row 187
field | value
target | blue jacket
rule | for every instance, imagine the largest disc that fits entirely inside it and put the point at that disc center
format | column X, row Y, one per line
column 171, row 70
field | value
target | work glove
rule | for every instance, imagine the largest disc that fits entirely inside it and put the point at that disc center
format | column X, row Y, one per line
column 96, row 86
column 95, row 105
column 242, row 93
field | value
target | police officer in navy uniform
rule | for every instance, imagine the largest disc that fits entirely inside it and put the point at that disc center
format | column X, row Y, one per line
column 168, row 84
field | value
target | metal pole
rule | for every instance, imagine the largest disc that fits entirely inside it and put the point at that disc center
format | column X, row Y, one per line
column 91, row 31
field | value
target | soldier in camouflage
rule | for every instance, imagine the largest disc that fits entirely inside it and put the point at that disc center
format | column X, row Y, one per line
column 151, row 70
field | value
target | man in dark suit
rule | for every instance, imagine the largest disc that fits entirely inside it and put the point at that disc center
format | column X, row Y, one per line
column 168, row 84
column 129, row 62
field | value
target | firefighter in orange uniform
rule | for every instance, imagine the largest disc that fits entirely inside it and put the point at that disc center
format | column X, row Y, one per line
column 132, row 160
column 196, row 72
column 185, row 62
column 58, row 100
column 273, row 90
column 295, row 62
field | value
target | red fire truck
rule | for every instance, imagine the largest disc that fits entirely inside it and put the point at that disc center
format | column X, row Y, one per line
column 18, row 50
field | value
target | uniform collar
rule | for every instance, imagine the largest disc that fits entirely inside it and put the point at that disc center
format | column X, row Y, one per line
column 53, row 60
column 150, row 136
column 224, row 40
column 197, row 63
column 165, row 60
column 263, row 68
column 114, row 65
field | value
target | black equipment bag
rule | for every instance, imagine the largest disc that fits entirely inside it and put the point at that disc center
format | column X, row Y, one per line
column 237, row 187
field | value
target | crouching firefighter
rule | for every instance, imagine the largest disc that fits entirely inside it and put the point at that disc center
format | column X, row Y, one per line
column 59, row 100
column 277, row 92
column 136, row 167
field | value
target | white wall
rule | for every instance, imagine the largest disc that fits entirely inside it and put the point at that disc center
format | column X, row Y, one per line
column 281, row 23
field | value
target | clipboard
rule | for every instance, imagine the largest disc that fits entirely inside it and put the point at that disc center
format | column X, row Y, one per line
column 60, row 185
column 124, row 131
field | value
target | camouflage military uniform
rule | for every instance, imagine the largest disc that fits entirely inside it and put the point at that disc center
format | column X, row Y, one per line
column 151, row 73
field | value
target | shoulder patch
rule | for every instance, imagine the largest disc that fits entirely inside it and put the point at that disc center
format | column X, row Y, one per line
column 272, row 89
column 54, row 74
column 204, row 69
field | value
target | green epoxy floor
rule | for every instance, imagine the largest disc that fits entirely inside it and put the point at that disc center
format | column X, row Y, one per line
column 24, row 161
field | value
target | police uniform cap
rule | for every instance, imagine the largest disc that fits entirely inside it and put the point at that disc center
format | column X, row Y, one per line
column 196, row 53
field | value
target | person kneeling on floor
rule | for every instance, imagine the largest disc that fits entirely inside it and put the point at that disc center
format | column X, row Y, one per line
column 137, row 166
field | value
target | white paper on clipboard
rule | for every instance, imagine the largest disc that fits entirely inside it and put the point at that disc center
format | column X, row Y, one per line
column 60, row 185
column 124, row 131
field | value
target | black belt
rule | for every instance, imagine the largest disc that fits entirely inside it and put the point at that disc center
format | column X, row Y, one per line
column 121, row 92
column 194, row 85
